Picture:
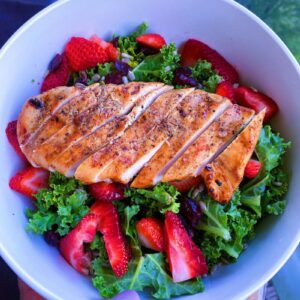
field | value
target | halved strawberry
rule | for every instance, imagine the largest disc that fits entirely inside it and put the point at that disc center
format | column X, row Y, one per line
column 72, row 245
column 193, row 50
column 187, row 184
column 115, row 243
column 11, row 134
column 58, row 77
column 152, row 40
column 83, row 54
column 258, row 101
column 29, row 181
column 226, row 89
column 110, row 49
column 185, row 258
column 252, row 168
column 151, row 233
column 103, row 191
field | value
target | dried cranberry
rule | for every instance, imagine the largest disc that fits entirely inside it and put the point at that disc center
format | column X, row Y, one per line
column 183, row 70
column 191, row 210
column 122, row 67
column 115, row 42
column 55, row 62
column 52, row 238
column 147, row 50
column 115, row 78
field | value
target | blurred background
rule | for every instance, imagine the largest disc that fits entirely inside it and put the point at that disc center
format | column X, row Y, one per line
column 283, row 16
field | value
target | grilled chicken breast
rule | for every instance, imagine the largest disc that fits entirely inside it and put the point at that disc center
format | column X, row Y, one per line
column 223, row 176
column 191, row 118
column 211, row 143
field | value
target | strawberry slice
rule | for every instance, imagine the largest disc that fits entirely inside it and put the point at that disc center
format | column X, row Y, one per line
column 72, row 245
column 11, row 134
column 187, row 184
column 103, row 191
column 152, row 40
column 151, row 234
column 252, row 168
column 110, row 49
column 29, row 181
column 258, row 101
column 57, row 77
column 193, row 50
column 115, row 243
column 226, row 89
column 83, row 54
column 185, row 258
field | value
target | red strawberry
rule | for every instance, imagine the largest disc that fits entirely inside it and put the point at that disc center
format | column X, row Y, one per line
column 110, row 49
column 72, row 245
column 83, row 54
column 258, row 101
column 152, row 40
column 226, row 89
column 29, row 181
column 57, row 77
column 11, row 134
column 193, row 50
column 186, row 184
column 151, row 234
column 185, row 258
column 115, row 243
column 103, row 191
column 252, row 168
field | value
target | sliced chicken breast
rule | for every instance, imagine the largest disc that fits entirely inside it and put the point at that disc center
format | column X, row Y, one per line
column 114, row 101
column 210, row 144
column 223, row 176
column 191, row 118
column 96, row 165
column 70, row 159
column 38, row 110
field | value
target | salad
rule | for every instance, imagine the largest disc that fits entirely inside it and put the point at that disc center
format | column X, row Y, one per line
column 167, row 237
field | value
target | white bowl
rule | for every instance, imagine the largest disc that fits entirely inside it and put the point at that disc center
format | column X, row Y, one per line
column 262, row 60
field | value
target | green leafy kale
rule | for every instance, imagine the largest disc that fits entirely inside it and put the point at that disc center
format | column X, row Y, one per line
column 161, row 198
column 159, row 67
column 127, row 44
column 60, row 207
column 145, row 271
column 204, row 73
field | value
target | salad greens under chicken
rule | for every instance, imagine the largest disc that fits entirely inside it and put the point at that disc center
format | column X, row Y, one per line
column 152, row 220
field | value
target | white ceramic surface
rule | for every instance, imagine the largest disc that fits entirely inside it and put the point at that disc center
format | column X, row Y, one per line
column 261, row 59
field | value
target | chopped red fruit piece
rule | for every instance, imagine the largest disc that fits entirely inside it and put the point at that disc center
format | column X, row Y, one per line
column 252, row 168
column 58, row 77
column 110, row 49
column 83, row 54
column 151, row 234
column 72, row 245
column 185, row 258
column 187, row 184
column 258, row 101
column 11, row 134
column 29, row 181
column 226, row 89
column 152, row 40
column 115, row 243
column 193, row 50
column 103, row 191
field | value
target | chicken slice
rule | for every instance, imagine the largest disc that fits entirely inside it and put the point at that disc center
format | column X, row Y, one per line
column 94, row 166
column 115, row 101
column 65, row 115
column 223, row 176
column 210, row 144
column 38, row 110
column 192, row 118
column 71, row 158
column 197, row 106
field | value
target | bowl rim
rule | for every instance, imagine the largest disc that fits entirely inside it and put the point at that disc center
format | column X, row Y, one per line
column 43, row 291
